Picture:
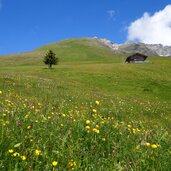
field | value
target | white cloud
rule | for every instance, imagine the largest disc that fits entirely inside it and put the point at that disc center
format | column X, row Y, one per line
column 111, row 14
column 152, row 29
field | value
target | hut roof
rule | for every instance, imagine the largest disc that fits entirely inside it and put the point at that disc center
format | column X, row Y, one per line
column 136, row 57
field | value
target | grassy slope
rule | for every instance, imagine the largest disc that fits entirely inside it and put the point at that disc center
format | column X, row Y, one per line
column 69, row 51
column 85, row 65
column 139, row 94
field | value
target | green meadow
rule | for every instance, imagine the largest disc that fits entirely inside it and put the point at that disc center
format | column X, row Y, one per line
column 92, row 112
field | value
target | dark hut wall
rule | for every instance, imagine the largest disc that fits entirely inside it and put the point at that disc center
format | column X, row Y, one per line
column 136, row 58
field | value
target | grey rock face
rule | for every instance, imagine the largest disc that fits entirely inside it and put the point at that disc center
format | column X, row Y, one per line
column 131, row 47
column 160, row 49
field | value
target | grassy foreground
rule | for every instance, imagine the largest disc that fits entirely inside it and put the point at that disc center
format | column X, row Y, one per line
column 85, row 114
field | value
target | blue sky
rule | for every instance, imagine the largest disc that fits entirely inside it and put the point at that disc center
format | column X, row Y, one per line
column 28, row 24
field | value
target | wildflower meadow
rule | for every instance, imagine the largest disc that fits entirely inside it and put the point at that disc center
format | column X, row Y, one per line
column 83, row 135
column 85, row 115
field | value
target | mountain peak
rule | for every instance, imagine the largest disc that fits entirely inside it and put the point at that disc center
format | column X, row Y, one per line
column 134, row 47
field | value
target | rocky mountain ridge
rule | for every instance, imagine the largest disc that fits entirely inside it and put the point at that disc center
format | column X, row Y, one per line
column 131, row 47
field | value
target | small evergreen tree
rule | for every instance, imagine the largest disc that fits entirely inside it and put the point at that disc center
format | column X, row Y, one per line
column 50, row 59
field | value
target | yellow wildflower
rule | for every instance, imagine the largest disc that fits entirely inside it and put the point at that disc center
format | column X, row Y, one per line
column 103, row 139
column 137, row 147
column 94, row 110
column 87, row 122
column 154, row 146
column 97, row 126
column 72, row 163
column 37, row 152
column 29, row 127
column 134, row 130
column 138, row 130
column 7, row 122
column 26, row 117
column 147, row 144
column 16, row 154
column 0, row 92
column 96, row 131
column 97, row 102
column 10, row 150
column 23, row 158
column 87, row 127
column 54, row 163
column 36, row 110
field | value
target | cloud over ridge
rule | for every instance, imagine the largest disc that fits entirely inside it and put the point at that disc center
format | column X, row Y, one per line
column 152, row 29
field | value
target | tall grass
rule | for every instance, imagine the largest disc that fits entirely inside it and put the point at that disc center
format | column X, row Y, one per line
column 85, row 136
column 87, row 114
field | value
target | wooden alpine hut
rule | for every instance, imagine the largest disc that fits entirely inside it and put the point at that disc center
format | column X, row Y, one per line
column 137, row 57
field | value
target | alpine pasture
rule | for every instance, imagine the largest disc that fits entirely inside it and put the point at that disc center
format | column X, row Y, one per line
column 92, row 112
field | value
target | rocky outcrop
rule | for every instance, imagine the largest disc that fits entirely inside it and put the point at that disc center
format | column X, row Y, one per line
column 131, row 47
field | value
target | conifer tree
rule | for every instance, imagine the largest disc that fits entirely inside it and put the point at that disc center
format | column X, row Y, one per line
column 50, row 59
